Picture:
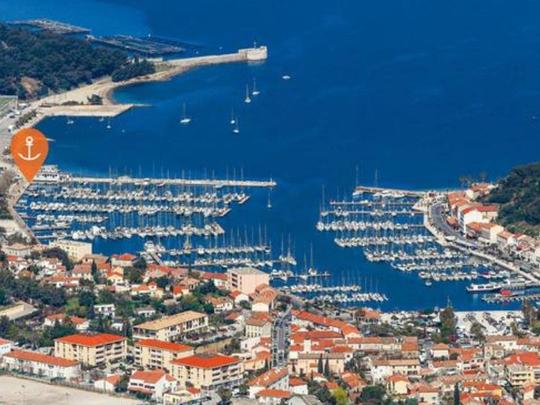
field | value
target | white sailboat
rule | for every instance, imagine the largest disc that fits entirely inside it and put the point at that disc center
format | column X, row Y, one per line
column 247, row 100
column 255, row 92
column 185, row 119
column 236, row 129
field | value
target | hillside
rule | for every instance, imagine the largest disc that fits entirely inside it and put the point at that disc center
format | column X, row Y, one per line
column 33, row 64
column 518, row 193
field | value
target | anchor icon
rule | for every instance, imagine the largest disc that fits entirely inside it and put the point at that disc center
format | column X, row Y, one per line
column 29, row 142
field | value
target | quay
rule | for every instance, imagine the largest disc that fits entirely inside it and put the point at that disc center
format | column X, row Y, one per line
column 126, row 180
column 389, row 191
column 499, row 299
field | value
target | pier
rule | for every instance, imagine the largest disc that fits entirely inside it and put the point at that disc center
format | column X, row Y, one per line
column 388, row 191
column 216, row 183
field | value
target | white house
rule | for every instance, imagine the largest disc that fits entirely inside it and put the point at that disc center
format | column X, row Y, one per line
column 107, row 384
column 153, row 383
column 105, row 310
column 41, row 364
column 5, row 346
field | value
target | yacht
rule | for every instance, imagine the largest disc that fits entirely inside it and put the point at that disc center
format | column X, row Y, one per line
column 255, row 92
column 247, row 100
column 185, row 119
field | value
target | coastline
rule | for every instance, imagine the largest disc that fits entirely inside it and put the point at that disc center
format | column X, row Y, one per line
column 75, row 103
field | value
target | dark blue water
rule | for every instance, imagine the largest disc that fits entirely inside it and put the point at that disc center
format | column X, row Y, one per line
column 421, row 91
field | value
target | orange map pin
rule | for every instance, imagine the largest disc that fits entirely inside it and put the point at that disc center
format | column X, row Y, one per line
column 29, row 149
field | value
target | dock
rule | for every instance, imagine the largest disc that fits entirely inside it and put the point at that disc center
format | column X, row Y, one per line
column 126, row 180
column 56, row 27
column 390, row 191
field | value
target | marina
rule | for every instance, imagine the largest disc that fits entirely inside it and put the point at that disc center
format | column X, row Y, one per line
column 389, row 228
column 59, row 205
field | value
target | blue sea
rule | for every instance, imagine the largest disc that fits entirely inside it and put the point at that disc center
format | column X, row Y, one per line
column 419, row 91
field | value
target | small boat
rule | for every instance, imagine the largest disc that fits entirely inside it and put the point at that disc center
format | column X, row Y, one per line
column 255, row 92
column 101, row 119
column 185, row 119
column 109, row 124
column 70, row 121
column 247, row 100
column 286, row 77
column 236, row 129
column 428, row 283
column 233, row 120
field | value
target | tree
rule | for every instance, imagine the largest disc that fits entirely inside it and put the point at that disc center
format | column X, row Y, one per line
column 95, row 272
column 4, row 326
column 60, row 255
column 373, row 394
column 320, row 368
column 457, row 400
column 327, row 368
column 477, row 330
column 123, row 383
column 448, row 323
column 134, row 275
column 340, row 396
column 529, row 312
column 3, row 297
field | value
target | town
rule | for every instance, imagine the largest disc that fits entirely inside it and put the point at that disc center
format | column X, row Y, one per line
column 128, row 329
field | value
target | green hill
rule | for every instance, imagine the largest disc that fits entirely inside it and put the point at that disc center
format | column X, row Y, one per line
column 33, row 64
column 518, row 194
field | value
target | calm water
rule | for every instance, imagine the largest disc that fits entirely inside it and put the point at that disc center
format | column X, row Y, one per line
column 421, row 91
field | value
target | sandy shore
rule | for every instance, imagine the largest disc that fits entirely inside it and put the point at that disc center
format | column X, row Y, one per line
column 16, row 391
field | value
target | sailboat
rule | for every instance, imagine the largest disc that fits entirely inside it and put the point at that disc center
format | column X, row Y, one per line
column 236, row 129
column 247, row 100
column 255, row 92
column 269, row 203
column 185, row 119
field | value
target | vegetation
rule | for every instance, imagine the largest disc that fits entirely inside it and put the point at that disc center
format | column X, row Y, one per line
column 137, row 68
column 36, row 63
column 519, row 196
column 27, row 289
column 447, row 328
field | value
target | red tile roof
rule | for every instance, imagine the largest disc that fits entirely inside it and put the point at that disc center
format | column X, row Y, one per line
column 274, row 393
column 209, row 361
column 40, row 358
column 149, row 377
column 91, row 340
column 269, row 377
column 160, row 344
column 528, row 358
